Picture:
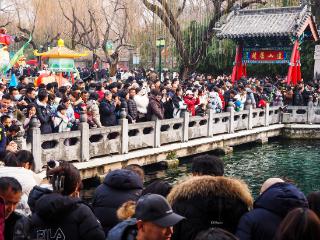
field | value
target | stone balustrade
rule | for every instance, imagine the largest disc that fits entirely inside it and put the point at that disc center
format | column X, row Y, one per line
column 86, row 144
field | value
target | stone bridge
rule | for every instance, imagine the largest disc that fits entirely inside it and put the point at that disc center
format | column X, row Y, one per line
column 95, row 151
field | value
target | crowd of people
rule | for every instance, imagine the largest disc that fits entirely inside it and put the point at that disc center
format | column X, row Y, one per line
column 136, row 95
column 205, row 206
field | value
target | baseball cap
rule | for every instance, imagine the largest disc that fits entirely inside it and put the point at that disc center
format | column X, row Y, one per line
column 155, row 208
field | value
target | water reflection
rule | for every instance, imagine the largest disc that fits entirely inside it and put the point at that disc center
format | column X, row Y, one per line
column 297, row 161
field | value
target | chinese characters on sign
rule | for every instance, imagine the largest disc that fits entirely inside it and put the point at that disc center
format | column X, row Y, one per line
column 267, row 55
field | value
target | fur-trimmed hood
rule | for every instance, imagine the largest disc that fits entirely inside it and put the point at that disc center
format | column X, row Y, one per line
column 206, row 186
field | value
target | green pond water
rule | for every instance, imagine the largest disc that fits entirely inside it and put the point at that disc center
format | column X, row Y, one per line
column 297, row 161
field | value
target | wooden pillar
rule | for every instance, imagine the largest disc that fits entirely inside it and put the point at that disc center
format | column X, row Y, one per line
column 292, row 72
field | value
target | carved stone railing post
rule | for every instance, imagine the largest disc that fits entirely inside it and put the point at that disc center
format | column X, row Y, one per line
column 124, row 135
column 186, row 118
column 157, row 133
column 210, row 122
column 250, row 118
column 231, row 121
column 85, row 143
column 36, row 144
column 267, row 115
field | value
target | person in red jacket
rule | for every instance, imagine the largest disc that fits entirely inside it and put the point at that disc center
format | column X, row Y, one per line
column 191, row 102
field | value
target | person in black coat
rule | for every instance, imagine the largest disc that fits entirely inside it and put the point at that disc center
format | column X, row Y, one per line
column 62, row 214
column 44, row 113
column 108, row 110
column 118, row 187
column 66, row 217
column 268, row 211
column 297, row 97
column 206, row 202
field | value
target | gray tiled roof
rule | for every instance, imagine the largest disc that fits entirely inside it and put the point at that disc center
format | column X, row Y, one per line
column 265, row 22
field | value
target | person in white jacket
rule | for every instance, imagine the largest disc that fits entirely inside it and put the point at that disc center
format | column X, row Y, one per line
column 142, row 102
column 61, row 121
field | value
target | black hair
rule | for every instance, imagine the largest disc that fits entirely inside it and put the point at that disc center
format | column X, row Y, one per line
column 42, row 86
column 94, row 96
column 215, row 234
column 22, row 77
column 10, row 160
column 6, row 96
column 63, row 89
column 49, row 86
column 42, row 95
column 61, row 107
column 64, row 178
column 9, row 182
column 11, row 89
column 24, row 156
column 299, row 223
column 65, row 99
column 29, row 90
column 207, row 165
column 158, row 186
column 84, row 92
column 29, row 107
column 14, row 128
column 98, row 86
column 4, row 117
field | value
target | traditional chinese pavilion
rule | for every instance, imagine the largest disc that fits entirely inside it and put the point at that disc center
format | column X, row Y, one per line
column 269, row 35
column 61, row 59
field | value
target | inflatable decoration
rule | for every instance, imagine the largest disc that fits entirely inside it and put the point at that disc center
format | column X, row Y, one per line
column 5, row 41
column 61, row 60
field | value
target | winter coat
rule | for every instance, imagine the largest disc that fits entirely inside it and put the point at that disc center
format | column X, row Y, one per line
column 168, row 109
column 215, row 102
column 178, row 105
column 70, row 113
column 126, row 230
column 28, row 129
column 207, row 202
column 268, row 211
column 142, row 103
column 118, row 187
column 23, row 225
column 66, row 217
column 191, row 104
column 93, row 112
column 155, row 109
column 9, row 224
column 297, row 98
column 107, row 113
column 61, row 122
column 132, row 110
column 44, row 116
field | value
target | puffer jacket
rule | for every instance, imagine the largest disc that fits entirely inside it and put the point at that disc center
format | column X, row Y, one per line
column 126, row 230
column 269, row 210
column 191, row 102
column 108, row 113
column 155, row 109
column 45, row 117
column 206, row 202
column 64, row 218
column 118, row 187
column 93, row 112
